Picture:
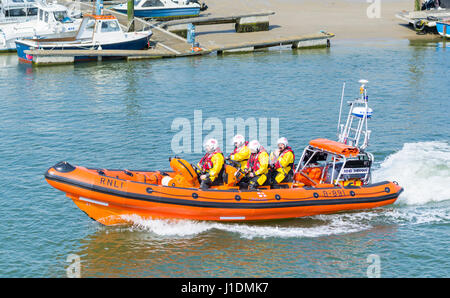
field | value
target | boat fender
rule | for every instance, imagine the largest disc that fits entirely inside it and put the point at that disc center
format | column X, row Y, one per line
column 165, row 181
column 149, row 46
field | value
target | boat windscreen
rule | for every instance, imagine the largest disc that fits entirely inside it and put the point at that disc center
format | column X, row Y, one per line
column 152, row 3
column 61, row 16
column 319, row 156
column 110, row 26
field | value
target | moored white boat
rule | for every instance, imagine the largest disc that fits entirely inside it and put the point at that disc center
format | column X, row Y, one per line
column 95, row 32
column 16, row 11
column 162, row 8
column 52, row 22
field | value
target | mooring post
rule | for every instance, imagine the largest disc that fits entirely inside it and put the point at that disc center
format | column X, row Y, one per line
column 98, row 7
column 191, row 34
column 130, row 13
column 416, row 4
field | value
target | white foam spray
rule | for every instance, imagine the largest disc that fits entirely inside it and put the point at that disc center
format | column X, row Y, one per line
column 326, row 225
column 422, row 169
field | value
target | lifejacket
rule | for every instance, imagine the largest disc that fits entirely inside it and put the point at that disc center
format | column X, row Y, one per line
column 206, row 163
column 240, row 155
column 277, row 164
column 237, row 149
column 253, row 162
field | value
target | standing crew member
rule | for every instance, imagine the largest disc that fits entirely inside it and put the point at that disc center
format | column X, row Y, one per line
column 210, row 167
column 282, row 162
column 257, row 166
column 241, row 153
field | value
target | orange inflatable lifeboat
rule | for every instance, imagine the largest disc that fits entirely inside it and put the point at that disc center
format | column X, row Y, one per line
column 108, row 196
column 331, row 176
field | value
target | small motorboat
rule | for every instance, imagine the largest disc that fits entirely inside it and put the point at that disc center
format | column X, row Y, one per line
column 162, row 8
column 95, row 32
column 443, row 28
column 52, row 22
column 331, row 176
column 17, row 11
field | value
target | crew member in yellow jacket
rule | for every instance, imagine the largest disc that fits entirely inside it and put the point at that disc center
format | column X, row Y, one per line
column 257, row 166
column 241, row 153
column 211, row 166
column 282, row 162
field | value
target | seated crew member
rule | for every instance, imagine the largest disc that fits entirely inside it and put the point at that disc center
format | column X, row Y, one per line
column 257, row 166
column 282, row 162
column 241, row 153
column 211, row 166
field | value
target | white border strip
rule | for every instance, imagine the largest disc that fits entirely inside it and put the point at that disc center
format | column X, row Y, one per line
column 94, row 201
column 232, row 217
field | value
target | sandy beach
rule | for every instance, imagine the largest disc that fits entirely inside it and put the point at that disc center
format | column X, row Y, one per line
column 348, row 19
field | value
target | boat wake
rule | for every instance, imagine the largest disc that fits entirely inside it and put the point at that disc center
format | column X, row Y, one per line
column 316, row 226
column 307, row 227
column 423, row 169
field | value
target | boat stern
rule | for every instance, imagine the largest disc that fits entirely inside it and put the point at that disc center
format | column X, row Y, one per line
column 120, row 8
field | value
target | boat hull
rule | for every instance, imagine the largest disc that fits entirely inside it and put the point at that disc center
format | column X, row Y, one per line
column 443, row 28
column 163, row 12
column 135, row 44
column 10, row 45
column 112, row 200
